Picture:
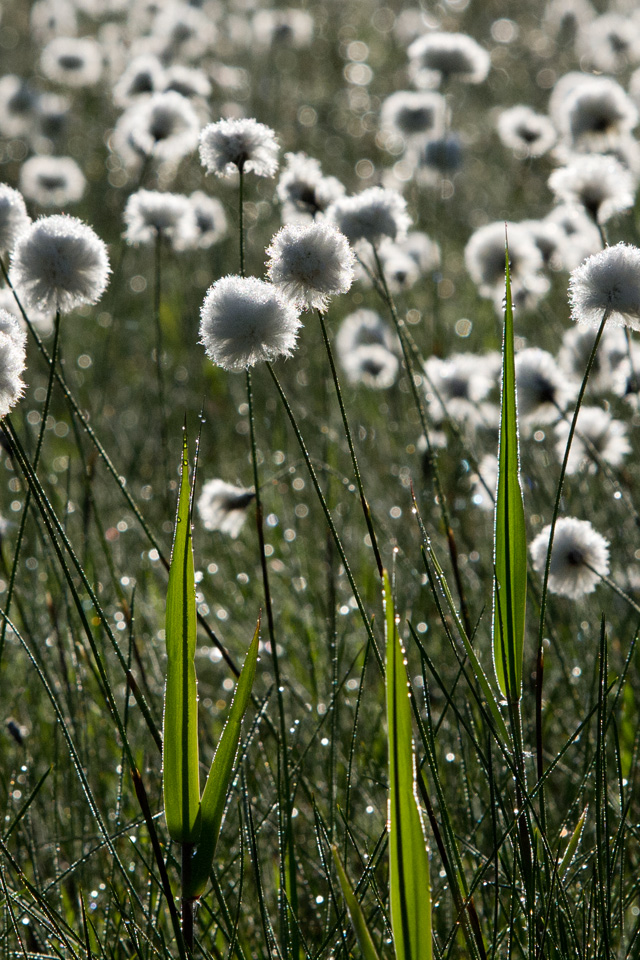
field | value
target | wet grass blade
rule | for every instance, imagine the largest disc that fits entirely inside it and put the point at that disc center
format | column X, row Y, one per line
column 180, row 729
column 510, row 544
column 365, row 940
column 409, row 887
column 215, row 790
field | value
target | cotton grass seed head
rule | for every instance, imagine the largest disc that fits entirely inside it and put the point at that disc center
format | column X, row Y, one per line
column 594, row 112
column 239, row 144
column 13, row 217
column 410, row 113
column 310, row 263
column 371, row 215
column 164, row 126
column 371, row 365
column 211, row 220
column 304, row 190
column 596, row 182
column 150, row 214
column 543, row 389
column 363, row 327
column 223, row 507
column 438, row 56
column 52, row 181
column 527, row 133
column 599, row 439
column 579, row 557
column 59, row 263
column 608, row 281
column 72, row 61
column 244, row 321
column 12, row 361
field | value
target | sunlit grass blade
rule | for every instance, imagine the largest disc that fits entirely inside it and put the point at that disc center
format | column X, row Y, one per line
column 510, row 544
column 215, row 790
column 572, row 846
column 409, row 886
column 365, row 940
column 180, row 738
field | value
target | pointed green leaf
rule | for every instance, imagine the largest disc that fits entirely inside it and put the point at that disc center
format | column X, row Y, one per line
column 572, row 846
column 363, row 936
column 409, row 886
column 510, row 543
column 181, row 782
column 215, row 791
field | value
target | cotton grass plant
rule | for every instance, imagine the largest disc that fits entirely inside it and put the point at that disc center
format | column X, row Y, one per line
column 415, row 468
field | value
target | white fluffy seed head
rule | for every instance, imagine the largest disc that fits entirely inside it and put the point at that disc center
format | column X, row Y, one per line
column 149, row 214
column 13, row 217
column 310, row 263
column 245, row 320
column 239, row 144
column 59, row 263
column 371, row 215
column 223, row 507
column 609, row 281
column 12, row 361
column 52, row 181
column 598, row 183
column 579, row 557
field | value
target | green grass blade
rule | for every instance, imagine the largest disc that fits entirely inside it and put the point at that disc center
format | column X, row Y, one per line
column 510, row 544
column 572, row 846
column 409, row 887
column 363, row 936
column 215, row 790
column 181, row 782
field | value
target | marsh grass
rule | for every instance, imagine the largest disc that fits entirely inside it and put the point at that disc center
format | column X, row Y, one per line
column 513, row 752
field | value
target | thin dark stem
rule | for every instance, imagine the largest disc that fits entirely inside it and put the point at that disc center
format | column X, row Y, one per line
column 186, row 850
column 352, row 450
column 442, row 502
column 159, row 351
column 287, row 859
column 241, row 216
column 545, row 582
column 329, row 518
column 36, row 460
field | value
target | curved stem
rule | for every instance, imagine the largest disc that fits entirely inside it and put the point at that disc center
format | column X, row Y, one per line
column 545, row 582
column 36, row 460
column 329, row 518
column 287, row 858
column 442, row 503
column 241, row 216
column 352, row 450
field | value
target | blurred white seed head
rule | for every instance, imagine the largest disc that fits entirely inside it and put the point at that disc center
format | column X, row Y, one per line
column 579, row 557
column 242, row 144
column 222, row 506
column 598, row 438
column 596, row 182
column 371, row 215
column 150, row 214
column 72, row 61
column 52, row 181
column 371, row 364
column 527, row 133
column 437, row 57
column 543, row 389
column 18, row 103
